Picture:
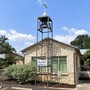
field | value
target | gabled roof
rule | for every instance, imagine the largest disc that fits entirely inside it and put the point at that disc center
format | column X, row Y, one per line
column 46, row 40
column 19, row 54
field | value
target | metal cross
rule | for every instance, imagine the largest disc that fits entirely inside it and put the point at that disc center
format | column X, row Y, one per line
column 45, row 7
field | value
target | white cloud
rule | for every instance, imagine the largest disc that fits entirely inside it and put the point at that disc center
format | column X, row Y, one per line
column 13, row 35
column 64, row 38
column 80, row 32
column 3, row 32
column 72, row 33
column 18, row 40
column 28, row 43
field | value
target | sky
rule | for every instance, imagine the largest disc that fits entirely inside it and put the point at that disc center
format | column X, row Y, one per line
column 18, row 20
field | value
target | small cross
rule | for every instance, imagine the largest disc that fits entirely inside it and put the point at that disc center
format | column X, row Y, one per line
column 45, row 7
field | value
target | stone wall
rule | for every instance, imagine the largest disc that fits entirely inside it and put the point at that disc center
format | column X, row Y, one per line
column 64, row 50
column 59, row 49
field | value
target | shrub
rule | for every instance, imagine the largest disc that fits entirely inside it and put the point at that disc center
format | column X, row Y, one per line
column 8, row 71
column 22, row 73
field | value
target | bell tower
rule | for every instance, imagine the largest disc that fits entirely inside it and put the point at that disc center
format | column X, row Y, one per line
column 45, row 36
column 45, row 23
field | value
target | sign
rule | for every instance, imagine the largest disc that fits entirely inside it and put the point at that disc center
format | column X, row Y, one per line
column 41, row 62
column 2, row 56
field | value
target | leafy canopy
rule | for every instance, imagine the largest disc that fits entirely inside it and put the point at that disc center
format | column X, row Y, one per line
column 5, row 47
column 87, row 56
column 8, row 50
column 81, row 41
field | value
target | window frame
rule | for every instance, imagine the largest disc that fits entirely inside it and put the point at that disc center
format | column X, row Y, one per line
column 58, row 59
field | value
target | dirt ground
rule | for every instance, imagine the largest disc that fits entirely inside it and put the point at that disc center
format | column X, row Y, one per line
column 83, row 85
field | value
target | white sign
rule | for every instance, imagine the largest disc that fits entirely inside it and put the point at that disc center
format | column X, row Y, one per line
column 2, row 56
column 42, row 62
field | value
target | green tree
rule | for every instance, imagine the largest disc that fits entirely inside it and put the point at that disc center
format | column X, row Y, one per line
column 5, row 47
column 87, row 57
column 8, row 50
column 81, row 41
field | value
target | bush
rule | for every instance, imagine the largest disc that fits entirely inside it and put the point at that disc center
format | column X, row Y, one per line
column 8, row 72
column 22, row 73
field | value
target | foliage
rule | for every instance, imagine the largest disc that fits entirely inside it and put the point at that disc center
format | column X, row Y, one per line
column 8, row 72
column 22, row 73
column 8, row 50
column 87, row 56
column 5, row 47
column 81, row 41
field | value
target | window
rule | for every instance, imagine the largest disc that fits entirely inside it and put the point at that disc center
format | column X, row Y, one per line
column 54, row 64
column 34, row 60
column 39, row 69
column 59, row 64
column 62, row 64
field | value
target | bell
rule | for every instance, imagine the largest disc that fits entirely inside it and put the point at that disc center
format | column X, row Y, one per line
column 44, row 25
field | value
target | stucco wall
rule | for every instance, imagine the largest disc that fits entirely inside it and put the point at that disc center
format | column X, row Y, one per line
column 59, row 49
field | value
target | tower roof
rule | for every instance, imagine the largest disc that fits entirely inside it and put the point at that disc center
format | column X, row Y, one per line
column 44, row 18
